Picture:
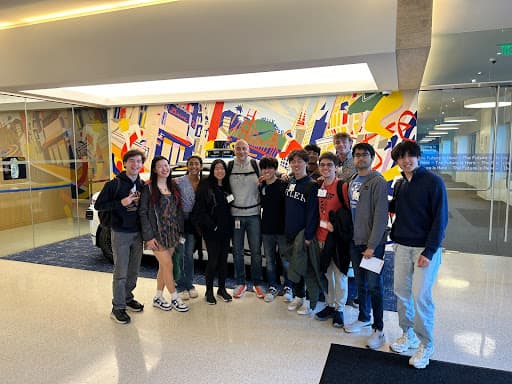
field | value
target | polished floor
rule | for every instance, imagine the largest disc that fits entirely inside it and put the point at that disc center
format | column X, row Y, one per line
column 55, row 328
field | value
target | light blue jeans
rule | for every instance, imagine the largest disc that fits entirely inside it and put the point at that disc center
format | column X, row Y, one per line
column 127, row 250
column 413, row 288
column 251, row 225
column 187, row 273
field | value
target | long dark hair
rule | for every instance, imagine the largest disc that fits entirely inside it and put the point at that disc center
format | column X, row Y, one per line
column 212, row 181
column 171, row 184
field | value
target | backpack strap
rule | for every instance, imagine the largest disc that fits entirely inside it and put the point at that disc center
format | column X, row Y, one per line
column 254, row 165
column 342, row 192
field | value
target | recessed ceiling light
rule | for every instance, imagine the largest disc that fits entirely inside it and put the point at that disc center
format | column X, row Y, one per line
column 459, row 119
column 446, row 127
column 305, row 81
column 485, row 102
column 437, row 133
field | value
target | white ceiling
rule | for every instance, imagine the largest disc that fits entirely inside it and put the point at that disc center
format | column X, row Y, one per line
column 217, row 37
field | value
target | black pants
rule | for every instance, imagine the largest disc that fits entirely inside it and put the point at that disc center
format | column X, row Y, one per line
column 217, row 249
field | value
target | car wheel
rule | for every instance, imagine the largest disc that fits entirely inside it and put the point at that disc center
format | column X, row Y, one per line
column 105, row 244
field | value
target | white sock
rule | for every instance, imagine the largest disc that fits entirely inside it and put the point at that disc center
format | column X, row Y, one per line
column 160, row 294
column 174, row 295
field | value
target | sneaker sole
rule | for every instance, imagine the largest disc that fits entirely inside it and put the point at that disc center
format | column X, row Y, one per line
column 403, row 350
column 223, row 299
column 162, row 308
column 337, row 325
column 376, row 347
column 113, row 317
column 214, row 303
column 322, row 318
column 420, row 366
column 181, row 309
column 134, row 309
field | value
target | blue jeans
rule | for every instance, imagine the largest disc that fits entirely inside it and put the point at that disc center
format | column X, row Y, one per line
column 269, row 247
column 251, row 225
column 127, row 250
column 413, row 288
column 370, row 287
column 187, row 274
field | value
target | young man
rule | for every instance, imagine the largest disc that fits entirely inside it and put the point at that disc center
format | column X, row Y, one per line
column 272, row 195
column 343, row 145
column 421, row 209
column 121, row 197
column 313, row 151
column 243, row 180
column 328, row 204
column 301, row 221
column 369, row 204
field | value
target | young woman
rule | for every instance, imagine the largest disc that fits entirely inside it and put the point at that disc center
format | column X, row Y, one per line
column 161, row 219
column 187, row 185
column 212, row 215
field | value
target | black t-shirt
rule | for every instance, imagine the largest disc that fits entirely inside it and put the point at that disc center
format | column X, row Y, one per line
column 272, row 204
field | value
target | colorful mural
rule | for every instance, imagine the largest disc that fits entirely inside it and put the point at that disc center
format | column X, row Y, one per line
column 272, row 127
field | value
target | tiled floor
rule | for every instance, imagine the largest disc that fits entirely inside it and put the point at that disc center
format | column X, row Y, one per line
column 55, row 328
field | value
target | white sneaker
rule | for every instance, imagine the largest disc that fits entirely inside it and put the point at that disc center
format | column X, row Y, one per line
column 287, row 295
column 421, row 357
column 376, row 340
column 184, row 295
column 295, row 304
column 408, row 340
column 305, row 309
column 159, row 302
column 357, row 326
column 179, row 305
column 271, row 295
column 193, row 293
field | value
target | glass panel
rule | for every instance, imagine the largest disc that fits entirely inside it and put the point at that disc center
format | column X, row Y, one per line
column 456, row 130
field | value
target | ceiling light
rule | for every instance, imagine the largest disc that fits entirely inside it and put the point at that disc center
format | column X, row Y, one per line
column 459, row 119
column 446, row 127
column 437, row 133
column 305, row 81
column 485, row 102
column 80, row 12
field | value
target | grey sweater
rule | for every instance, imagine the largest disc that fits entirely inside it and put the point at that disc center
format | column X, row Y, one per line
column 371, row 219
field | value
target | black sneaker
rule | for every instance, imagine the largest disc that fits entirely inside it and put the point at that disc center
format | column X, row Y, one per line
column 134, row 306
column 325, row 313
column 120, row 316
column 224, row 295
column 210, row 299
column 337, row 320
column 352, row 303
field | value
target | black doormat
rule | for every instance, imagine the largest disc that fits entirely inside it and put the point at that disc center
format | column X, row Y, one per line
column 80, row 253
column 368, row 366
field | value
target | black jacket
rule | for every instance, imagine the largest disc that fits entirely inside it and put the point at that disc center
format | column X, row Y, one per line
column 124, row 219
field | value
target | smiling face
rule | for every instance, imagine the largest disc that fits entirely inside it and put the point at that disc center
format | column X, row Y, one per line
column 408, row 163
column 241, row 150
column 194, row 166
column 298, row 167
column 219, row 172
column 327, row 169
column 343, row 146
column 269, row 174
column 162, row 169
column 132, row 166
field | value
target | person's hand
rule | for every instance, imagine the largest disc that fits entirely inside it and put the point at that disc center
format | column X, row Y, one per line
column 423, row 261
column 329, row 227
column 130, row 199
column 368, row 253
column 152, row 244
column 307, row 242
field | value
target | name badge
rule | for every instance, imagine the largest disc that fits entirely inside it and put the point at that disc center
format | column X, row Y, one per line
column 237, row 224
column 322, row 192
column 355, row 195
column 230, row 198
column 323, row 224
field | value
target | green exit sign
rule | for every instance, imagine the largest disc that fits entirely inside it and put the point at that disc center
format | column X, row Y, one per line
column 506, row 49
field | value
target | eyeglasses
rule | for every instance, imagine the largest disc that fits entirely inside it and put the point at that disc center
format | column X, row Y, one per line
column 366, row 154
column 328, row 165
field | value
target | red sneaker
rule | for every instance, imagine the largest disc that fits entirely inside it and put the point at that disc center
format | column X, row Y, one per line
column 259, row 292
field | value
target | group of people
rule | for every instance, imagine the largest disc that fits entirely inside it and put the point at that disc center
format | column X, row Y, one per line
column 331, row 211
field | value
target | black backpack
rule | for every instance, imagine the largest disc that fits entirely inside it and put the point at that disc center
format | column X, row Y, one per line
column 106, row 216
column 254, row 165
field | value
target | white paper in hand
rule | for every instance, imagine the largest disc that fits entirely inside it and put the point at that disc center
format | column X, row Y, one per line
column 373, row 264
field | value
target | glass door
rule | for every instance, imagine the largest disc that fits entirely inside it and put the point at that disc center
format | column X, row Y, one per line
column 465, row 138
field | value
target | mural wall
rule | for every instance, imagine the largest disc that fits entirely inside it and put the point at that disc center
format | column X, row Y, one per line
column 272, row 127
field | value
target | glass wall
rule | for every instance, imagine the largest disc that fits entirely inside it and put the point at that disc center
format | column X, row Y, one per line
column 53, row 156
column 465, row 137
